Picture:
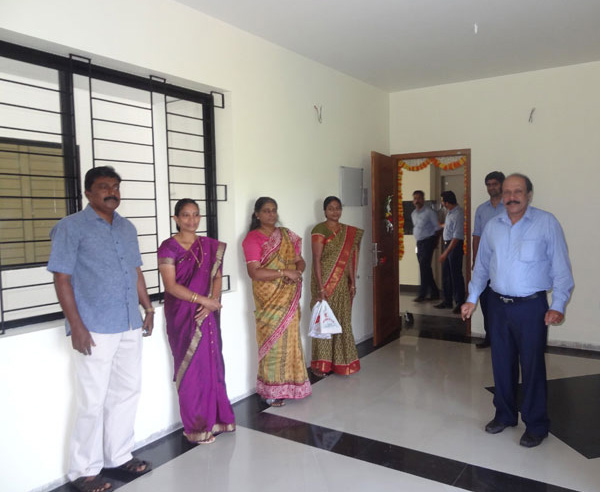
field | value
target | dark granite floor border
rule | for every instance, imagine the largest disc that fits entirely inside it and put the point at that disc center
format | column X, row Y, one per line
column 249, row 413
column 424, row 465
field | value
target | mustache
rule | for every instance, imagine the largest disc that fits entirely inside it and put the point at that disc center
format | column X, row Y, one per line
column 514, row 202
column 111, row 198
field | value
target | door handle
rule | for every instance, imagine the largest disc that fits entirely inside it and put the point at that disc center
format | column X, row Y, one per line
column 375, row 254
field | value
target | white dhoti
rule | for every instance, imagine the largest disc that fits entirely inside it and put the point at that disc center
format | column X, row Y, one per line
column 108, row 385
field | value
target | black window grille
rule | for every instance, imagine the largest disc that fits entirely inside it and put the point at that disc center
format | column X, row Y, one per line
column 58, row 111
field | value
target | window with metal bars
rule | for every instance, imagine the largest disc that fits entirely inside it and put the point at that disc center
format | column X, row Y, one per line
column 61, row 116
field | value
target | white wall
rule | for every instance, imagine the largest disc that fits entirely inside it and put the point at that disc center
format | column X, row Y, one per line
column 558, row 151
column 269, row 143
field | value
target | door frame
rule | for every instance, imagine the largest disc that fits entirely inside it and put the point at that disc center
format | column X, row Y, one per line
column 384, row 214
column 467, row 209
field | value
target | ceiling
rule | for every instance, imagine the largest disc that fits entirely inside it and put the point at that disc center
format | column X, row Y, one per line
column 405, row 44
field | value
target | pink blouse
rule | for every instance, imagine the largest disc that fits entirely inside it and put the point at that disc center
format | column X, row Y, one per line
column 253, row 243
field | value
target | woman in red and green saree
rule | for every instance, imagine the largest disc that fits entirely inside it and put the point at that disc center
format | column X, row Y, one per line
column 335, row 248
column 275, row 265
column 191, row 267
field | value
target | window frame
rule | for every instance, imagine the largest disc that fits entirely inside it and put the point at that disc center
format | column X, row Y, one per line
column 67, row 68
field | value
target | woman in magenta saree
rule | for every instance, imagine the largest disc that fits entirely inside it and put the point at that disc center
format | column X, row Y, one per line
column 191, row 268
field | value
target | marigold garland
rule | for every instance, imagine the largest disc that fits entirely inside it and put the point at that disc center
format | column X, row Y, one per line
column 436, row 162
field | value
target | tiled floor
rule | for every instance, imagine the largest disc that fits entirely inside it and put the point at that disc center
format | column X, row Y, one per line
column 426, row 307
column 411, row 420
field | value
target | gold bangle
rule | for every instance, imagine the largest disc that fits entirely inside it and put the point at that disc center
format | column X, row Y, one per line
column 149, row 310
column 193, row 298
column 280, row 272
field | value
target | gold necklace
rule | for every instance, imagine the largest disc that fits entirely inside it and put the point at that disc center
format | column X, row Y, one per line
column 265, row 233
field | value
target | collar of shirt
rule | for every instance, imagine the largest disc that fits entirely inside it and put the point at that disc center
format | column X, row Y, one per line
column 527, row 216
column 91, row 214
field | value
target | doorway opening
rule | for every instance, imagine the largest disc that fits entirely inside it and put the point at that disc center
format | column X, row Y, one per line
column 433, row 173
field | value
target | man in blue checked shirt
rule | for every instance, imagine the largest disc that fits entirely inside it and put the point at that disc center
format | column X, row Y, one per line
column 486, row 211
column 524, row 254
column 96, row 263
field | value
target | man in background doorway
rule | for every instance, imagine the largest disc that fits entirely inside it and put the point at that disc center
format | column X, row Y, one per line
column 425, row 227
column 485, row 211
column 451, row 258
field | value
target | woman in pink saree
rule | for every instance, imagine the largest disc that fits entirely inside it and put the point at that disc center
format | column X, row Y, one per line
column 191, row 267
column 275, row 265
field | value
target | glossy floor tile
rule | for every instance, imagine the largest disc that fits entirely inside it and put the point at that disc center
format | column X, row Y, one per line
column 411, row 420
column 256, row 461
column 430, row 396
column 407, row 304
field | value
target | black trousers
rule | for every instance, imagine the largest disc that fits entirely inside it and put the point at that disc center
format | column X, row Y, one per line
column 518, row 335
column 483, row 303
column 425, row 249
column 452, row 277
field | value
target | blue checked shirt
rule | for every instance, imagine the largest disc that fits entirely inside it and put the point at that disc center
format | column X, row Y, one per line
column 102, row 260
column 483, row 214
column 522, row 259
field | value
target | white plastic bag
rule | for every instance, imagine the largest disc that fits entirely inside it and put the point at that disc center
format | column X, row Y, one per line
column 323, row 322
column 315, row 323
column 329, row 323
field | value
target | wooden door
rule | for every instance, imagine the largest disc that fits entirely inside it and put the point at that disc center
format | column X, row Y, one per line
column 384, row 249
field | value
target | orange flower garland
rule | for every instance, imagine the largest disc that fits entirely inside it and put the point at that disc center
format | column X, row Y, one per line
column 400, row 217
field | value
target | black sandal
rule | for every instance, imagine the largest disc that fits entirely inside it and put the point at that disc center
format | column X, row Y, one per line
column 91, row 484
column 130, row 468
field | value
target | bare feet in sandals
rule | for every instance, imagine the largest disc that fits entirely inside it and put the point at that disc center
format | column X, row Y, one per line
column 208, row 440
column 275, row 402
column 91, row 484
column 131, row 469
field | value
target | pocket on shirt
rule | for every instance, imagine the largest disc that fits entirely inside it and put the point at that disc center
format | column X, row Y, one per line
column 533, row 250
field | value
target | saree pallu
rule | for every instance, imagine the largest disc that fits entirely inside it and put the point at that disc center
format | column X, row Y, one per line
column 281, row 367
column 338, row 260
column 198, row 362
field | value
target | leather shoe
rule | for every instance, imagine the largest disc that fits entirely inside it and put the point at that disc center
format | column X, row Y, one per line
column 434, row 297
column 484, row 344
column 530, row 440
column 495, row 427
column 442, row 305
column 419, row 299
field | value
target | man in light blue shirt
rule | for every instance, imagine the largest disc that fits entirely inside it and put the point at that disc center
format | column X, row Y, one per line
column 524, row 254
column 96, row 262
column 453, row 282
column 425, row 227
column 486, row 211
